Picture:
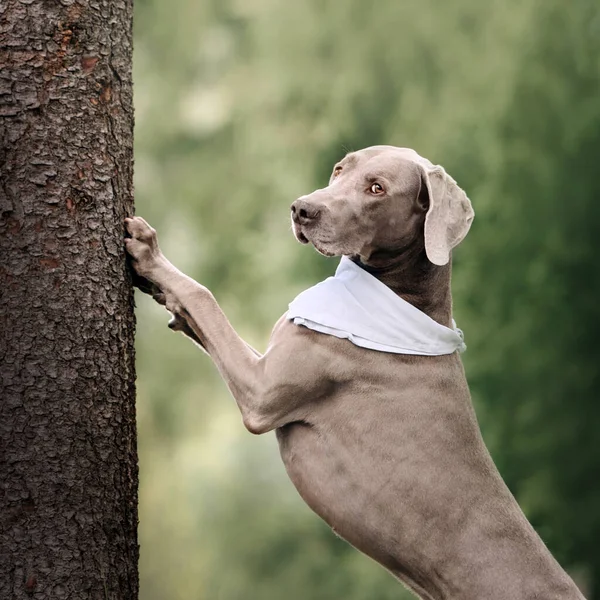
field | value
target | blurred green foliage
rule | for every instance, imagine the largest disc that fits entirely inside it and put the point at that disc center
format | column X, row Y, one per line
column 241, row 106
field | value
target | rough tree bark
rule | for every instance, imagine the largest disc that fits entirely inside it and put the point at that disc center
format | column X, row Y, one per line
column 68, row 462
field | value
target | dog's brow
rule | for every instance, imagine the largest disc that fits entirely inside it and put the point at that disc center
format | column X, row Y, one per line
column 376, row 175
column 348, row 160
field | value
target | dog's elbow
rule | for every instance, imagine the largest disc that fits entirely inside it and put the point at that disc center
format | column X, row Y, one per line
column 256, row 424
column 264, row 408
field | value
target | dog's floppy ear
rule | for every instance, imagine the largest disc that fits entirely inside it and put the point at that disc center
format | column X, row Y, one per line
column 449, row 216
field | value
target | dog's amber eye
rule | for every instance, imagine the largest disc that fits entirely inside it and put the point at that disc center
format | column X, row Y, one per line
column 337, row 171
column 376, row 189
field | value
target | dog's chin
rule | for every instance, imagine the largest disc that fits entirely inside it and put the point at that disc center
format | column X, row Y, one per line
column 321, row 249
column 318, row 246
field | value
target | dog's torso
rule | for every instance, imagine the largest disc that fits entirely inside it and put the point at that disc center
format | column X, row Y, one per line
column 384, row 447
column 388, row 452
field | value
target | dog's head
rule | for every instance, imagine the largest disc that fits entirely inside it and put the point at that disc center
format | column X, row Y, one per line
column 382, row 200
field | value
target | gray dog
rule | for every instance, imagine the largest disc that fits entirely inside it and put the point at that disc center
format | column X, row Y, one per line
column 384, row 446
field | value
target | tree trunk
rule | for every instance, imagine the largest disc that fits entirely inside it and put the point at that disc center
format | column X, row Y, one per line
column 68, row 461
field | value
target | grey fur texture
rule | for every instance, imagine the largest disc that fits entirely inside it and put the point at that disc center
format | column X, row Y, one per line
column 384, row 447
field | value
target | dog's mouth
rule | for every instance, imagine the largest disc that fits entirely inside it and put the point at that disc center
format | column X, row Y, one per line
column 302, row 238
column 298, row 234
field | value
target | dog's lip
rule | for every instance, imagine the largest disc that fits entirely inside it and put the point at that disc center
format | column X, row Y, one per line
column 303, row 239
column 322, row 250
column 300, row 236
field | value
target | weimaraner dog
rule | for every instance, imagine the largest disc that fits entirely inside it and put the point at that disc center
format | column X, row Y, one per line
column 385, row 447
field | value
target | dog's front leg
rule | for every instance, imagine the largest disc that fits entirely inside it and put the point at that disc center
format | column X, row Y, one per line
column 264, row 399
column 177, row 322
column 182, row 321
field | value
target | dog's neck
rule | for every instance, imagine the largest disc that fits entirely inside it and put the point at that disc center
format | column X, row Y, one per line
column 409, row 273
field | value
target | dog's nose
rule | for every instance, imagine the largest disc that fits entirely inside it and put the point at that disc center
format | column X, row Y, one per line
column 304, row 212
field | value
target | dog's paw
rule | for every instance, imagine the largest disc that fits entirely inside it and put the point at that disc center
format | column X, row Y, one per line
column 144, row 285
column 143, row 249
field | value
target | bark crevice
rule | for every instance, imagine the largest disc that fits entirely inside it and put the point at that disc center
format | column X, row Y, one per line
column 68, row 459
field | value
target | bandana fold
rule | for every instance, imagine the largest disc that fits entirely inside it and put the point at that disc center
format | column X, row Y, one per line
column 355, row 305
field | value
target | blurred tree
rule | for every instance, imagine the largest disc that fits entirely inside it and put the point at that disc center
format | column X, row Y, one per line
column 537, row 286
column 68, row 463
column 242, row 105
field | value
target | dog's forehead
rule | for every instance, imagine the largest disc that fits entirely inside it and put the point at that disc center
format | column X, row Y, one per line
column 386, row 157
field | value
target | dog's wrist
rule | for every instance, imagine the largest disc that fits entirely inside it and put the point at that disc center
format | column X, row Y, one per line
column 162, row 271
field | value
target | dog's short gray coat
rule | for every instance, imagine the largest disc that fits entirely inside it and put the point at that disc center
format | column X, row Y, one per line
column 384, row 447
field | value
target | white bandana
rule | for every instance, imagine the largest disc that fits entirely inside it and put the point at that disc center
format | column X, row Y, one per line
column 356, row 306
